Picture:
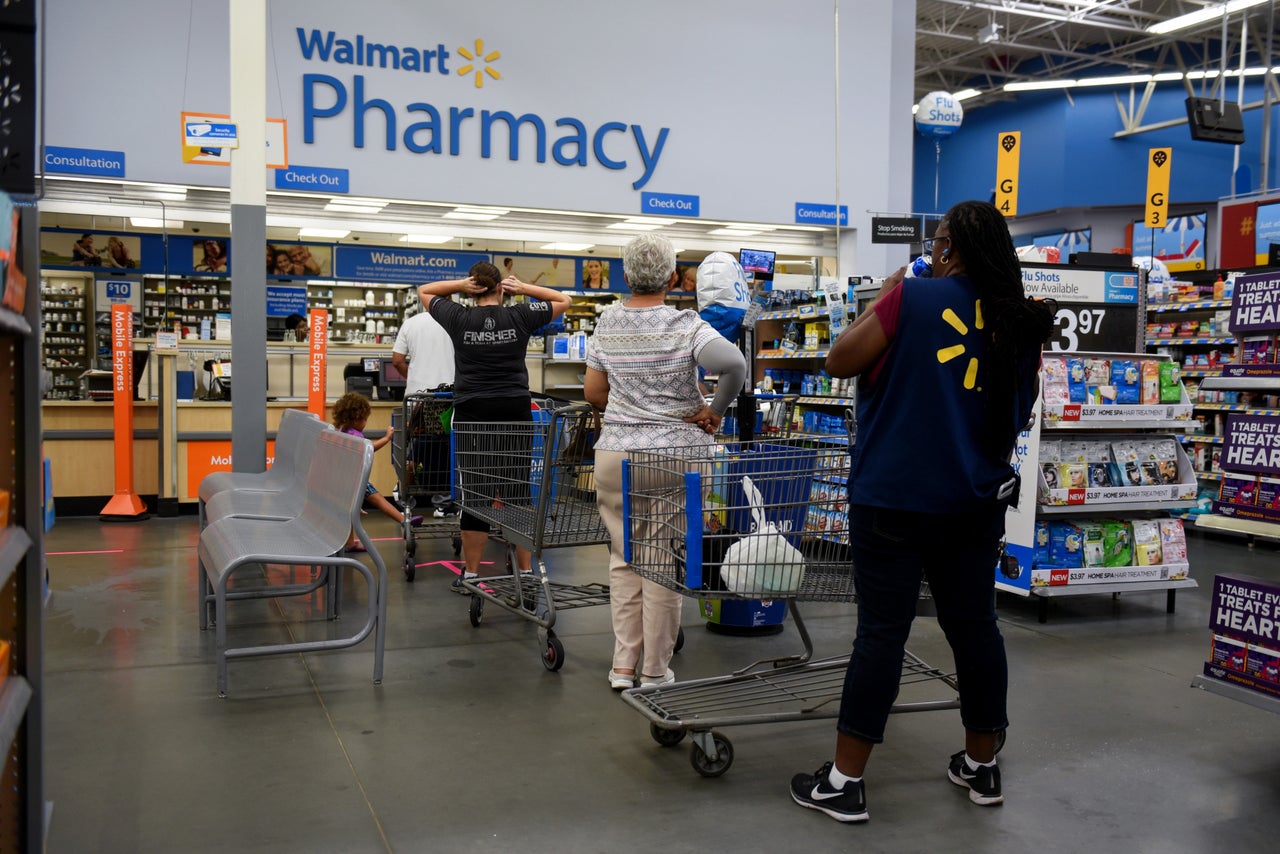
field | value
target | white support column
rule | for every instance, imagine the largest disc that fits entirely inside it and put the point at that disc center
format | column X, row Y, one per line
column 249, row 235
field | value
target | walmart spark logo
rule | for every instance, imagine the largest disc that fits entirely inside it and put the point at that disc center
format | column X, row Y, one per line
column 479, row 57
column 946, row 354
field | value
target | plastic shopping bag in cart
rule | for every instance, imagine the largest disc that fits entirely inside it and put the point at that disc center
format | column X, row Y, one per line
column 762, row 561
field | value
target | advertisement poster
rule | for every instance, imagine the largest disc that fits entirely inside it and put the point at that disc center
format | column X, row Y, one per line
column 401, row 265
column 210, row 256
column 1266, row 231
column 299, row 260
column 90, row 249
column 1179, row 244
column 548, row 271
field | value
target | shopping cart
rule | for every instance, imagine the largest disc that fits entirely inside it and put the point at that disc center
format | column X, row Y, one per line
column 762, row 520
column 534, row 483
column 420, row 452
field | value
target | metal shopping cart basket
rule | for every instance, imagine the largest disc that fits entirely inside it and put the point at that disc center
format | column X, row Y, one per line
column 762, row 520
column 421, row 454
column 774, row 414
column 534, row 483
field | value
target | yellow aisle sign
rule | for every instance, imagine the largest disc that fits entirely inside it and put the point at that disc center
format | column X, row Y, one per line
column 1159, row 165
column 1008, row 152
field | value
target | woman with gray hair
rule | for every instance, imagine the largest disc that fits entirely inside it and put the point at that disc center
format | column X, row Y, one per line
column 642, row 365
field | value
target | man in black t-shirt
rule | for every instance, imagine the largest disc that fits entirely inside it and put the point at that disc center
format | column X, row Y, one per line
column 491, row 383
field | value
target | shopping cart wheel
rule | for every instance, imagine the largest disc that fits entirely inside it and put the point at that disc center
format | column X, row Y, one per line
column 553, row 655
column 666, row 737
column 680, row 640
column 476, row 611
column 708, row 767
column 410, row 568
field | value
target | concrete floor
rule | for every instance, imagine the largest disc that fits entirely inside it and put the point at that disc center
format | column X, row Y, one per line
column 471, row 745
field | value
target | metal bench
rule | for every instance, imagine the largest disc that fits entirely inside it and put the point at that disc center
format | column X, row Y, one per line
column 333, row 492
column 295, row 444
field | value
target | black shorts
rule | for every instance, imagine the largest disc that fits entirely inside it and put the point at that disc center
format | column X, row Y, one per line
column 513, row 478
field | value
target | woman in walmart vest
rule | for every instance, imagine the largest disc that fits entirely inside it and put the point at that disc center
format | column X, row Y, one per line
column 947, row 373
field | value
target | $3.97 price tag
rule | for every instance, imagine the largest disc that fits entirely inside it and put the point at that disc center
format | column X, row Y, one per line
column 1110, row 328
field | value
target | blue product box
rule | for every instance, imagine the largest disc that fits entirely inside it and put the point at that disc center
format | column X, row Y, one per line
column 1066, row 545
column 742, row 612
column 1040, row 545
column 1125, row 377
column 1075, row 380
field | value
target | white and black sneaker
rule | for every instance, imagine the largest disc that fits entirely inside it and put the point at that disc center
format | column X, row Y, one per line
column 815, row 792
column 982, row 782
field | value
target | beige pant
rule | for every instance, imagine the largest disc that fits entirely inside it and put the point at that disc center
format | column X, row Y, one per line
column 645, row 614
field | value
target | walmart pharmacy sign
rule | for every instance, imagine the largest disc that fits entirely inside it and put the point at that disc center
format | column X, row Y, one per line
column 430, row 129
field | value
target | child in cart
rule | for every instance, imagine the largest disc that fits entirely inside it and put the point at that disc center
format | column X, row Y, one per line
column 350, row 415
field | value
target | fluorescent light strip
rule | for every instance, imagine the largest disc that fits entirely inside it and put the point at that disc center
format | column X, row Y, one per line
column 329, row 233
column 349, row 207
column 963, row 95
column 477, row 209
column 1115, row 80
column 567, row 247
column 733, row 232
column 148, row 222
column 426, row 238
column 635, row 226
column 1201, row 16
column 477, row 217
column 1038, row 85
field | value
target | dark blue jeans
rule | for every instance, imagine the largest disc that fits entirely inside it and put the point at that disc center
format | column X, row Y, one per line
column 893, row 550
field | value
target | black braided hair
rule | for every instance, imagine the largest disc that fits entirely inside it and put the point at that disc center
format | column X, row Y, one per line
column 1014, row 325
column 485, row 275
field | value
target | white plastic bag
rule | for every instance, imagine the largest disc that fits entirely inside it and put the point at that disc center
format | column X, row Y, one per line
column 762, row 561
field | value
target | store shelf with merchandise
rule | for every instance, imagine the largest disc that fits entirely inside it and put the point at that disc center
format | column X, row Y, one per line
column 1107, row 477
column 360, row 312
column 23, row 523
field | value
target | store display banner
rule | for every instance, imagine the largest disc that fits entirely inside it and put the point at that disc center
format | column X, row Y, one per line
column 1246, row 607
column 283, row 301
column 669, row 204
column 1255, row 304
column 84, row 161
column 889, row 229
column 320, row 179
column 1159, row 166
column 398, row 266
column 1252, row 445
column 808, row 213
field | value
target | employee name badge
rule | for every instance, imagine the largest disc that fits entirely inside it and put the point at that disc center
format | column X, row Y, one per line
column 837, row 311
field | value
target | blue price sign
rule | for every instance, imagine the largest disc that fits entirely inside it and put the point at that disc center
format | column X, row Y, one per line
column 119, row 290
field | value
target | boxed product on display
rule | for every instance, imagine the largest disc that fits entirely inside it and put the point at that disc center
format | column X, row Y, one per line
column 1114, row 470
column 1146, row 543
column 1108, row 551
column 1257, row 350
column 1269, row 493
column 1229, row 652
column 1089, row 388
column 1238, row 489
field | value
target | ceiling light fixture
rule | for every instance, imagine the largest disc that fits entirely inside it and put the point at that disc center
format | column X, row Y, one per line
column 353, row 207
column 1038, row 85
column 733, row 232
column 635, row 226
column 1200, row 16
column 324, row 233
column 148, row 222
column 567, row 247
column 426, row 238
column 1115, row 80
column 964, row 95
column 471, row 215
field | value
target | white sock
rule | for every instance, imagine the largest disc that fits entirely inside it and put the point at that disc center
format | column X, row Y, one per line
column 837, row 780
column 974, row 766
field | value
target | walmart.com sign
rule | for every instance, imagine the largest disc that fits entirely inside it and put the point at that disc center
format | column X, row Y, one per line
column 425, row 128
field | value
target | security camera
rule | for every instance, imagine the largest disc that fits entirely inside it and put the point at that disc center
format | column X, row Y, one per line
column 195, row 229
column 355, row 237
column 469, row 245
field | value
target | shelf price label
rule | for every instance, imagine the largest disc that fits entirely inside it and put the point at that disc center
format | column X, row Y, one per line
column 1110, row 328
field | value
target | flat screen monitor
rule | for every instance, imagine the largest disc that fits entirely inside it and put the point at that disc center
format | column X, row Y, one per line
column 389, row 375
column 757, row 262
column 372, row 364
column 1215, row 121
